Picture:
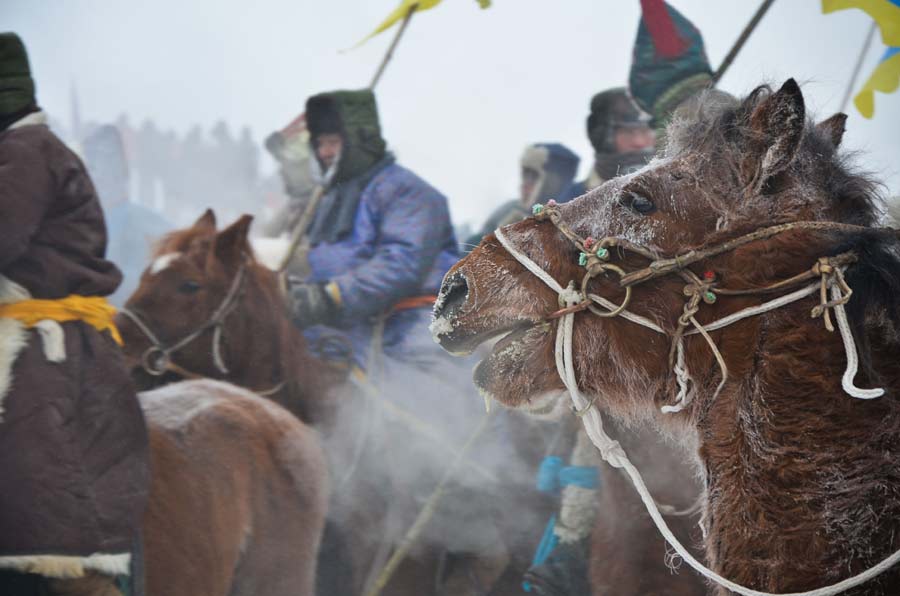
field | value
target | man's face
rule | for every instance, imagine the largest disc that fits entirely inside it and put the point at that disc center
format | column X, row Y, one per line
column 529, row 181
column 328, row 148
column 634, row 138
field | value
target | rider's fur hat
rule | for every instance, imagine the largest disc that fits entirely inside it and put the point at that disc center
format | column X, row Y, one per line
column 16, row 84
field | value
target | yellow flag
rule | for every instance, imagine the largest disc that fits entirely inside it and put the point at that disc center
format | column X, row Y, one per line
column 885, row 12
column 401, row 11
column 885, row 79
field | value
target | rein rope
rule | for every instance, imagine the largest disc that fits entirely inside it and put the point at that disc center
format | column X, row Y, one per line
column 157, row 359
column 828, row 273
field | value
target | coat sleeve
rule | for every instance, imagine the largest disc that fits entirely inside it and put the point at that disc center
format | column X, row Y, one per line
column 413, row 219
column 26, row 191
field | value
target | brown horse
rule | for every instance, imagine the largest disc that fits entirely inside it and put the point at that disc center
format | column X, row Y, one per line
column 181, row 301
column 239, row 494
column 802, row 477
column 240, row 485
column 205, row 308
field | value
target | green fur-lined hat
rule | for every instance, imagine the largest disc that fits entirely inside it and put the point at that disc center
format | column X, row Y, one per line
column 354, row 115
column 669, row 63
column 16, row 84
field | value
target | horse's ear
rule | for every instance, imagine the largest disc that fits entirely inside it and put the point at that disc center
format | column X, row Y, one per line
column 776, row 126
column 207, row 221
column 833, row 128
column 231, row 244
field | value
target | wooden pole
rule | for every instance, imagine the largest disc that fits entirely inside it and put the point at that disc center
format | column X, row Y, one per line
column 426, row 513
column 390, row 51
column 302, row 224
column 859, row 62
column 742, row 39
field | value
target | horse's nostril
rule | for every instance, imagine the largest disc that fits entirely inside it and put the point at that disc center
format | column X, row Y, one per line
column 454, row 292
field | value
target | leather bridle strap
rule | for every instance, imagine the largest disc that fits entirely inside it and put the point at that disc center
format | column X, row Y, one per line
column 157, row 359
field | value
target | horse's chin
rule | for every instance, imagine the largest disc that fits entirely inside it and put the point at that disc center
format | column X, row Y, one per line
column 508, row 373
column 552, row 405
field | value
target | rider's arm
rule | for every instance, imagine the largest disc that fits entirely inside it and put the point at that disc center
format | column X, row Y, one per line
column 413, row 220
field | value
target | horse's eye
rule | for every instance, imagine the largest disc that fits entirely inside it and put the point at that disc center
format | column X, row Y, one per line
column 639, row 203
column 188, row 287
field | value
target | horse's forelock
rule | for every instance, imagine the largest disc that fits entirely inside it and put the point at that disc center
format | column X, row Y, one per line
column 182, row 241
column 193, row 242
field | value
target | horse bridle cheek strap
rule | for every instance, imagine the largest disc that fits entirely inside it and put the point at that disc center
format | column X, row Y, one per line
column 157, row 359
column 610, row 449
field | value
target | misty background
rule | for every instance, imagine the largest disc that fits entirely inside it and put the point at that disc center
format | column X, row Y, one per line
column 466, row 91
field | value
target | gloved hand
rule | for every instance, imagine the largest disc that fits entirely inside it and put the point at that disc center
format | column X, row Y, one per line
column 564, row 573
column 310, row 304
column 669, row 63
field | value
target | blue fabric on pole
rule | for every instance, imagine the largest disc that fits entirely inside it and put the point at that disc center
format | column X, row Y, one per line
column 548, row 542
column 553, row 475
column 548, row 474
column 583, row 476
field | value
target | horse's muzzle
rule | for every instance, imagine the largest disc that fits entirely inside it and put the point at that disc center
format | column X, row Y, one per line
column 453, row 295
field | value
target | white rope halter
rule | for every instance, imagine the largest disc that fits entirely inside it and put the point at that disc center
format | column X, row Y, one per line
column 613, row 452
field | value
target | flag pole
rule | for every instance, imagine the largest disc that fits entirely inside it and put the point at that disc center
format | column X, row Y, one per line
column 390, row 51
column 859, row 62
column 742, row 39
column 309, row 213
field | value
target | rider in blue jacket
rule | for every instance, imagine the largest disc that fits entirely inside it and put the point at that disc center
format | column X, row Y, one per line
column 381, row 239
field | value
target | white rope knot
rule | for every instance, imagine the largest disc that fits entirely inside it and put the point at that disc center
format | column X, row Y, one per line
column 612, row 453
column 570, row 296
column 683, row 379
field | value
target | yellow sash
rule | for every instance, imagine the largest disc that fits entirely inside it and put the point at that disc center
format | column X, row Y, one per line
column 93, row 310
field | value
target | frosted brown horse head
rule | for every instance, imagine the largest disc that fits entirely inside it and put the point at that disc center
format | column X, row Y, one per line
column 798, row 490
column 729, row 167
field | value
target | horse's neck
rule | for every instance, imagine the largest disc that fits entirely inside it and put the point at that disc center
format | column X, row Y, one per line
column 802, row 478
column 270, row 356
column 267, row 351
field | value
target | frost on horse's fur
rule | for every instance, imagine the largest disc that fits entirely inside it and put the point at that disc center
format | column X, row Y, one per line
column 802, row 481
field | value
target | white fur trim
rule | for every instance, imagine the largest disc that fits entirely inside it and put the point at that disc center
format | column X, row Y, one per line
column 53, row 339
column 51, row 332
column 65, row 567
column 576, row 515
column 31, row 119
column 13, row 338
column 10, row 291
column 13, row 335
column 578, row 505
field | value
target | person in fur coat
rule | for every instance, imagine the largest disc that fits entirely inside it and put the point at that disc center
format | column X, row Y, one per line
column 74, row 468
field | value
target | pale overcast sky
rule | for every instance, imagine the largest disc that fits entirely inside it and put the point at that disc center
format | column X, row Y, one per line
column 467, row 88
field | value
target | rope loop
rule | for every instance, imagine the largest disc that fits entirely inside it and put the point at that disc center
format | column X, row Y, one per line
column 581, row 412
column 593, row 271
column 155, row 361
